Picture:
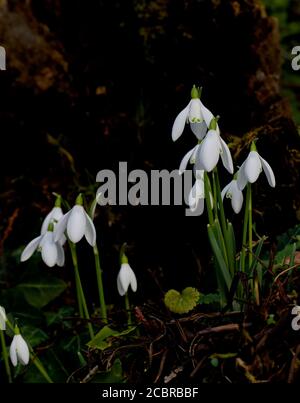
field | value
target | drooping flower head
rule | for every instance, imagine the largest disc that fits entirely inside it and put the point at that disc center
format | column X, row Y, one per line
column 19, row 351
column 126, row 277
column 54, row 216
column 196, row 114
column 197, row 194
column 77, row 223
column 211, row 148
column 233, row 192
column 252, row 167
column 52, row 251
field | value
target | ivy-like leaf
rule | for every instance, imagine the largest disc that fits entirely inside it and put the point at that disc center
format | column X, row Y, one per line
column 103, row 339
column 182, row 302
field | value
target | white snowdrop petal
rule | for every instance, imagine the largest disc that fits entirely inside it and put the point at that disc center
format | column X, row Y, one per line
column 195, row 114
column 62, row 240
column 198, row 165
column 13, row 352
column 76, row 225
column 209, row 151
column 226, row 156
column 206, row 113
column 252, row 167
column 119, row 286
column 192, row 198
column 61, row 227
column 237, row 198
column 57, row 214
column 241, row 178
column 179, row 123
column 196, row 193
column 60, row 255
column 90, row 231
column 22, row 350
column 30, row 248
column 125, row 275
column 53, row 217
column 46, row 223
column 194, row 155
column 49, row 250
column 268, row 172
column 199, row 129
column 185, row 160
column 133, row 282
column 225, row 190
column 200, row 206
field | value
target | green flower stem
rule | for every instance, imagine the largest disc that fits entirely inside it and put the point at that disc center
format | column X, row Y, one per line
column 245, row 227
column 5, row 357
column 250, row 224
column 255, row 283
column 207, row 188
column 224, row 226
column 220, row 203
column 80, row 293
column 215, row 197
column 100, row 284
column 77, row 280
column 128, row 310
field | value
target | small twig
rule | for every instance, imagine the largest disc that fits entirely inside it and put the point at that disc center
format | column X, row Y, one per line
column 90, row 375
column 286, row 270
column 223, row 328
column 161, row 366
column 198, row 366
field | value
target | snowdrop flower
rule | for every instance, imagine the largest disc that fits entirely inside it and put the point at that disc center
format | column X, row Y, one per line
column 194, row 113
column 126, row 277
column 77, row 224
column 252, row 167
column 190, row 157
column 3, row 318
column 296, row 320
column 19, row 351
column 52, row 252
column 197, row 195
column 210, row 150
column 232, row 191
column 53, row 218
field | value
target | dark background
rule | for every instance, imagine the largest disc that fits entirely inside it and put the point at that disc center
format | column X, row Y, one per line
column 92, row 83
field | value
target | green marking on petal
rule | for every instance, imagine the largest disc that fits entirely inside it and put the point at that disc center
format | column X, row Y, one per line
column 50, row 227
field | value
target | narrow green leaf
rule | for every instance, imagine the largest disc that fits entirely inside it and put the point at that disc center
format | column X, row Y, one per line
column 220, row 240
column 257, row 255
column 231, row 252
column 218, row 255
